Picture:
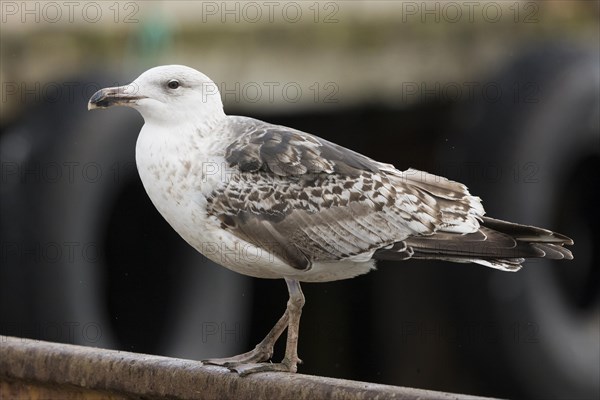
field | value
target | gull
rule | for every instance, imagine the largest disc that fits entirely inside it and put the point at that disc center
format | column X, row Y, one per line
column 274, row 202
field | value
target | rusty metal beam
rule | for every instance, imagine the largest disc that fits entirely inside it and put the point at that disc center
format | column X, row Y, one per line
column 32, row 368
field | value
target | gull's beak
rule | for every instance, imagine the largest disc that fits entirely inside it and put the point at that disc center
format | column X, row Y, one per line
column 114, row 96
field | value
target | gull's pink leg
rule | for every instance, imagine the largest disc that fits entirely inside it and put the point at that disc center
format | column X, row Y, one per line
column 254, row 360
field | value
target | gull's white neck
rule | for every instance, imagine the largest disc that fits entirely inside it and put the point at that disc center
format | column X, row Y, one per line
column 176, row 165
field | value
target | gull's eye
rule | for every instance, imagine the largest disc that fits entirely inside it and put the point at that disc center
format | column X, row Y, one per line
column 173, row 84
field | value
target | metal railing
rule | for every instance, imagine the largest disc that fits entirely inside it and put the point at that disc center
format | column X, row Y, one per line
column 37, row 369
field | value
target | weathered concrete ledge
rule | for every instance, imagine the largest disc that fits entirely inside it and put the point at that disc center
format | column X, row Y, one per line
column 37, row 369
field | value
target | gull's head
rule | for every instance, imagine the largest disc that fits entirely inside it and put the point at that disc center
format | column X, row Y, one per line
column 169, row 94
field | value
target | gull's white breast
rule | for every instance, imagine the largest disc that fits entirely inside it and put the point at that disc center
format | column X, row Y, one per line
column 179, row 171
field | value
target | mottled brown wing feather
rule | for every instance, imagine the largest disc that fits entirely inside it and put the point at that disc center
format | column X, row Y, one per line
column 290, row 152
column 310, row 200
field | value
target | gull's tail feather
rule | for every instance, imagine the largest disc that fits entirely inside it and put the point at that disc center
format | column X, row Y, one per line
column 497, row 244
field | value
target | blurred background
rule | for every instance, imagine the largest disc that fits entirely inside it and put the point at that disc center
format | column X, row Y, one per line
column 503, row 96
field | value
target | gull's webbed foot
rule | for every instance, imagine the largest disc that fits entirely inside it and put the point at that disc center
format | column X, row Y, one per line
column 257, row 355
column 252, row 368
